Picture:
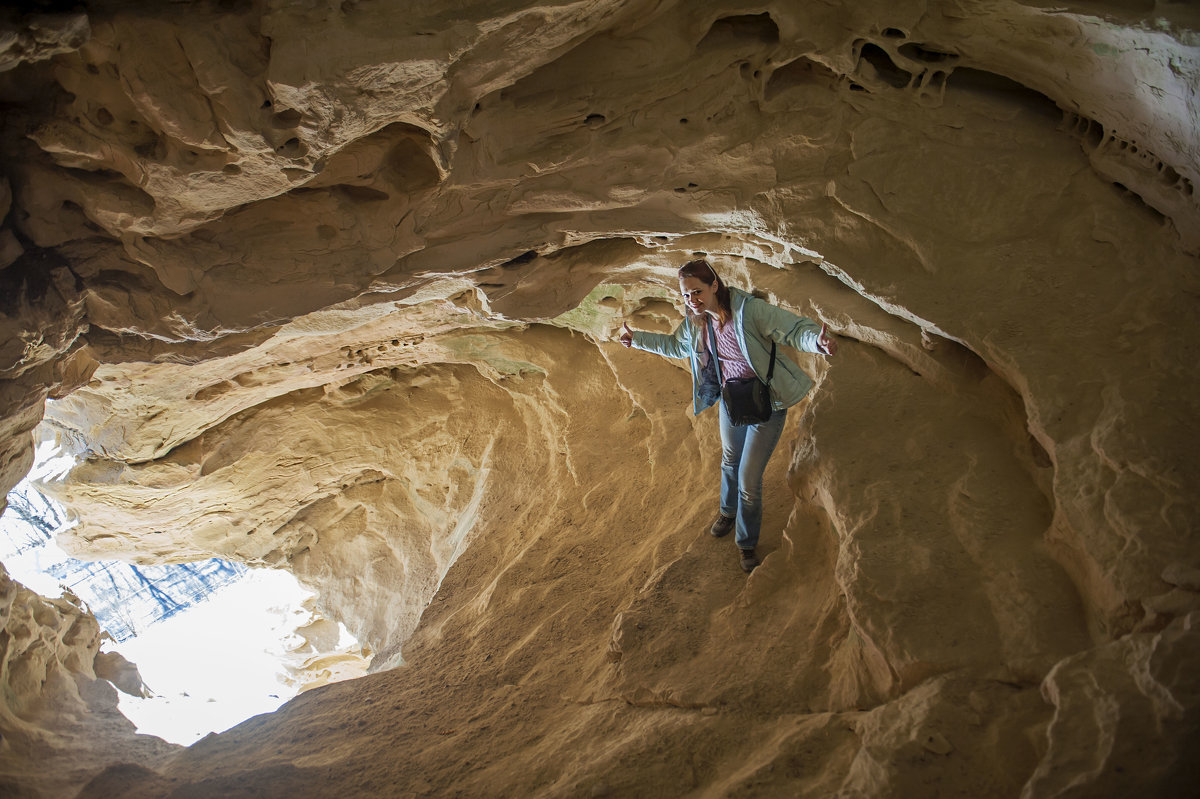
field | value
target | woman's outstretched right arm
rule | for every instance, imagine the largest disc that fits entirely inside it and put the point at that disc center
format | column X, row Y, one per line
column 675, row 345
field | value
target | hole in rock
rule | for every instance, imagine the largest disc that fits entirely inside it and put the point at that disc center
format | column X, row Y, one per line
column 154, row 148
column 286, row 119
column 885, row 68
column 799, row 72
column 753, row 28
column 214, row 642
column 1091, row 131
column 409, row 165
column 293, row 147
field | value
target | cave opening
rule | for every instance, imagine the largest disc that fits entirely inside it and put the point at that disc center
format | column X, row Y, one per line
column 194, row 647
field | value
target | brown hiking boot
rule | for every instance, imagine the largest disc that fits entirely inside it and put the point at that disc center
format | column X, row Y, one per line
column 721, row 526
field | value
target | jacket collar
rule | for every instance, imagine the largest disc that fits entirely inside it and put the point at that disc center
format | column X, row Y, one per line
column 737, row 298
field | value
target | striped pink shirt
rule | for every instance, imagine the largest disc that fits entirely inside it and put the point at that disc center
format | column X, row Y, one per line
column 732, row 363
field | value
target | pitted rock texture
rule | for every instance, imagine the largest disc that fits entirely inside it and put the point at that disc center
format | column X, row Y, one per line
column 59, row 709
column 333, row 287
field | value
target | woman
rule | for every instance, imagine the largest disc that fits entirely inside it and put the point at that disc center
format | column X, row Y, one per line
column 744, row 328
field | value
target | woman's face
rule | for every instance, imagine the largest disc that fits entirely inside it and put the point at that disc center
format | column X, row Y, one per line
column 700, row 297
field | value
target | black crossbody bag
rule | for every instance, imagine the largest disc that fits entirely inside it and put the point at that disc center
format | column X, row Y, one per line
column 747, row 399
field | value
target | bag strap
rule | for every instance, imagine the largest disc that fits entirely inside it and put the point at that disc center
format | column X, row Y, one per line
column 712, row 340
column 711, row 345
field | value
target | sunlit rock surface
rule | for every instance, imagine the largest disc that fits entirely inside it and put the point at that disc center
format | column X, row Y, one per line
column 333, row 288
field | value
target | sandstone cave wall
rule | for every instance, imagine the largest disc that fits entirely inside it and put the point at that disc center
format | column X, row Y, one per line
column 333, row 288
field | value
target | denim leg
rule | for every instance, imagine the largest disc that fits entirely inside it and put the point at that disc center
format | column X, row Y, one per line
column 744, row 455
column 733, row 441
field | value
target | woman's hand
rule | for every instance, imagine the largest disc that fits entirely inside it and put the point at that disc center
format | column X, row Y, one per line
column 626, row 335
column 825, row 343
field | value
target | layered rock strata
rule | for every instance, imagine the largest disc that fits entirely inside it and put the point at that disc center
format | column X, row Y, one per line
column 333, row 288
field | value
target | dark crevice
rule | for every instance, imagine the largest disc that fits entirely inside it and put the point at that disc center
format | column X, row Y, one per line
column 998, row 87
column 44, row 6
column 523, row 258
column 1140, row 201
column 28, row 278
column 361, row 193
column 918, row 53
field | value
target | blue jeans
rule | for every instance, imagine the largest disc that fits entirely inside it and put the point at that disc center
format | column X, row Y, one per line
column 744, row 455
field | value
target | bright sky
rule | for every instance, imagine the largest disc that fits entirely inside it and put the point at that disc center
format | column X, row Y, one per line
column 219, row 662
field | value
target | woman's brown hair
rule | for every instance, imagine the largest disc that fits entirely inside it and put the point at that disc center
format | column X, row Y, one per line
column 702, row 270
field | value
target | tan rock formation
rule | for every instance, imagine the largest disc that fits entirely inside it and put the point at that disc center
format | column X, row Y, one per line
column 332, row 287
column 59, row 708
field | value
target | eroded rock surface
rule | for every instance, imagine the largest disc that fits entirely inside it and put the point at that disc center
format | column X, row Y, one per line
column 333, row 288
column 59, row 710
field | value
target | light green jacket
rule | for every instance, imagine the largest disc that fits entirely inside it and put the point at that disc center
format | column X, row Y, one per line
column 758, row 323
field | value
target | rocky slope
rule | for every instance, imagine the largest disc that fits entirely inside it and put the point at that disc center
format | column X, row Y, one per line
column 333, row 288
